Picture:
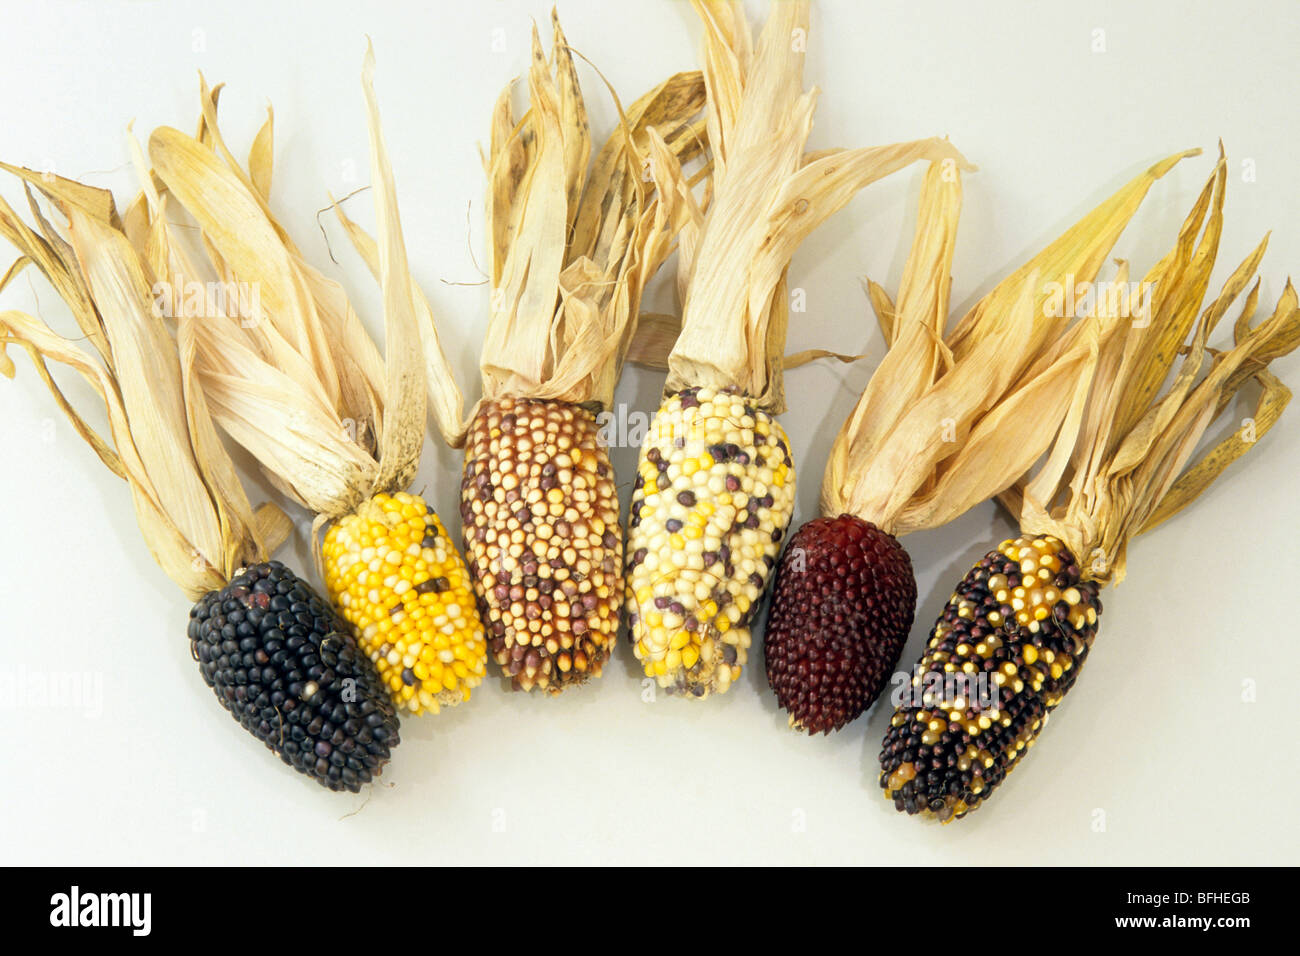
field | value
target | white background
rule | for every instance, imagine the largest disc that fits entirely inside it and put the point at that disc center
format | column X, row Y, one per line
column 1156, row 735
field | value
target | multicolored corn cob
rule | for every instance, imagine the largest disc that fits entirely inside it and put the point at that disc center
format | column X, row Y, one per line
column 1016, row 633
column 842, row 607
column 1021, row 621
column 713, row 496
column 573, row 245
column 540, row 521
column 397, row 578
column 715, row 488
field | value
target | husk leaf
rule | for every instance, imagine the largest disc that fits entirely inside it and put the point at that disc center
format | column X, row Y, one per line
column 768, row 195
column 572, row 249
column 402, row 437
column 446, row 402
column 191, row 509
column 294, row 377
column 1079, row 252
column 1129, row 468
column 52, row 255
column 947, row 422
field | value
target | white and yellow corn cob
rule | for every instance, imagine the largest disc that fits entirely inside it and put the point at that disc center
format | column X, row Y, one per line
column 713, row 497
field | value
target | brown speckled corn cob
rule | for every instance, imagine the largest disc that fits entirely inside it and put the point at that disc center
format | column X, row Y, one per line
column 540, row 521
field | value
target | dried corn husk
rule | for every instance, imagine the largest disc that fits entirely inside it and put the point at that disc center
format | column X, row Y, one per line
column 657, row 332
column 571, row 251
column 190, row 505
column 293, row 376
column 768, row 195
column 1127, row 470
column 947, row 422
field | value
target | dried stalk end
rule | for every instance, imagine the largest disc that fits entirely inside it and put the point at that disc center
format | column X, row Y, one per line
column 539, row 514
column 947, row 423
column 768, row 195
column 571, row 250
column 190, row 505
column 1126, row 469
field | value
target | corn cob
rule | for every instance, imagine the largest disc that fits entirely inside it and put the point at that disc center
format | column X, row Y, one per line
column 539, row 514
column 1026, row 616
column 842, row 605
column 715, row 486
column 275, row 655
column 1022, row 619
column 539, row 507
column 343, row 427
column 284, row 665
column 931, row 436
column 713, row 496
column 396, row 577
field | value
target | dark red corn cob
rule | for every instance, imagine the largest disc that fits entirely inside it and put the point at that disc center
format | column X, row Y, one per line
column 1016, row 633
column 842, row 607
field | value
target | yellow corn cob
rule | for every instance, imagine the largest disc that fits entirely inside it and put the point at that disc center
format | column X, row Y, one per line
column 396, row 577
column 540, row 520
column 713, row 496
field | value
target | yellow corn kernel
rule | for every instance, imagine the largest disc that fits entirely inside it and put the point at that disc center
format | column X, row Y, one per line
column 404, row 610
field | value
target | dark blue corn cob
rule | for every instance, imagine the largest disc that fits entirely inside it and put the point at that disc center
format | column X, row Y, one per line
column 289, row 670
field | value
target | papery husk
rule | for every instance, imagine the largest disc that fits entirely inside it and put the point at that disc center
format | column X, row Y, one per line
column 657, row 332
column 294, row 377
column 1128, row 468
column 949, row 421
column 191, row 508
column 446, row 402
column 571, row 249
column 51, row 253
column 768, row 195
